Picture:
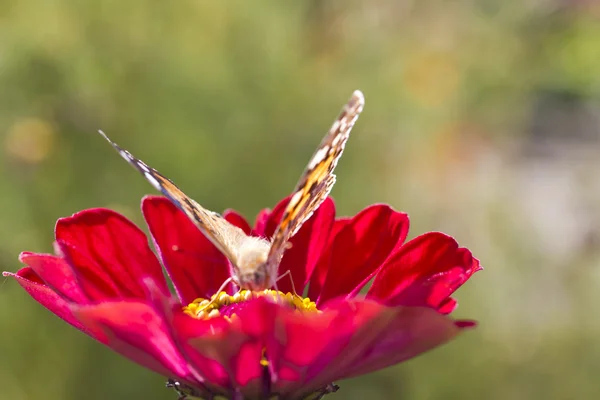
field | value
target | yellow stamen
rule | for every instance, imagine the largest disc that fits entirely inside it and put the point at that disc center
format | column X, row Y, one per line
column 209, row 308
column 263, row 359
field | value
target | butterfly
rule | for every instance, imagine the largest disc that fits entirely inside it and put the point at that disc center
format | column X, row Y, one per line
column 255, row 260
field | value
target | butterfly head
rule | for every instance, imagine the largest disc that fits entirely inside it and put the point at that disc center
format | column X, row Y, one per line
column 251, row 264
column 254, row 280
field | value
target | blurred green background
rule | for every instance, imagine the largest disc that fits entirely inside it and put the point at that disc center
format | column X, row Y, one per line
column 482, row 120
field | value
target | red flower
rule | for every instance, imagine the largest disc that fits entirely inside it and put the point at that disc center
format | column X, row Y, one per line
column 107, row 282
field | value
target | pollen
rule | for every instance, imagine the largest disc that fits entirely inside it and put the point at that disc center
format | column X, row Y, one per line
column 224, row 304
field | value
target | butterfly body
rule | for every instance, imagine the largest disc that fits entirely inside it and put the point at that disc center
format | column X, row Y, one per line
column 251, row 264
column 255, row 260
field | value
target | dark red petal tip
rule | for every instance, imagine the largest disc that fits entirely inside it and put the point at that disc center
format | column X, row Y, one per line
column 466, row 324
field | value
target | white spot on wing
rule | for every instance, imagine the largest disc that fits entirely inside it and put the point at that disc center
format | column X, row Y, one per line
column 318, row 157
column 336, row 140
column 296, row 198
column 152, row 180
column 143, row 166
column 127, row 156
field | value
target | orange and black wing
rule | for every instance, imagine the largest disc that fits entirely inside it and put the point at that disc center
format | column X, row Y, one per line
column 225, row 236
column 316, row 180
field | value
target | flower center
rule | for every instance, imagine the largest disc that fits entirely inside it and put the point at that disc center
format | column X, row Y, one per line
column 223, row 304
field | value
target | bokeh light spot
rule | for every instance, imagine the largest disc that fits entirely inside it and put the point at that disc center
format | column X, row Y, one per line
column 30, row 140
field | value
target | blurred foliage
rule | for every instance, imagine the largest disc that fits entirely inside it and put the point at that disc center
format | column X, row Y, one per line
column 481, row 120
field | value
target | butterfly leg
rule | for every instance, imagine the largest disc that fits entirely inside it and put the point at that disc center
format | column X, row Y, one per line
column 286, row 273
column 215, row 296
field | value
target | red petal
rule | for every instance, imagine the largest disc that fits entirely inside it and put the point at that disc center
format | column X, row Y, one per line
column 405, row 333
column 93, row 279
column 303, row 345
column 260, row 224
column 424, row 272
column 238, row 220
column 168, row 310
column 196, row 267
column 44, row 295
column 208, row 361
column 56, row 274
column 267, row 221
column 319, row 274
column 229, row 353
column 136, row 331
column 308, row 244
column 360, row 248
column 367, row 336
column 447, row 306
column 108, row 251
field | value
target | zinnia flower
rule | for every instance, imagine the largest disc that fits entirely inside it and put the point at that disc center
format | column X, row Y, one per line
column 106, row 281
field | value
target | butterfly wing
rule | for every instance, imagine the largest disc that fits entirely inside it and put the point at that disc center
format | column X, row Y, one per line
column 316, row 181
column 225, row 236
